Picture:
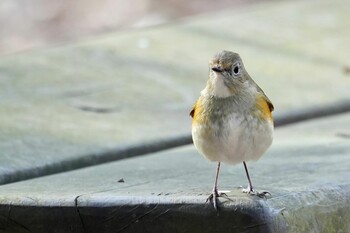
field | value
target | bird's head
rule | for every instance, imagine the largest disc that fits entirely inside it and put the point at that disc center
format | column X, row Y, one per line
column 226, row 73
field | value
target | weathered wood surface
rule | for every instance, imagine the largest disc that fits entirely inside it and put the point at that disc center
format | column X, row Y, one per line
column 87, row 103
column 104, row 99
column 306, row 170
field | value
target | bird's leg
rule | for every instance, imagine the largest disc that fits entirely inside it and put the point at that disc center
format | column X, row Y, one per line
column 250, row 189
column 215, row 194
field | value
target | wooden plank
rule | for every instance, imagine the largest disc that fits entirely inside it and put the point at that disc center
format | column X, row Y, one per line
column 67, row 107
column 306, row 170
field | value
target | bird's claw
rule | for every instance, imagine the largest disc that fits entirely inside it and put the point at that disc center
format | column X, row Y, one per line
column 263, row 194
column 255, row 193
column 213, row 198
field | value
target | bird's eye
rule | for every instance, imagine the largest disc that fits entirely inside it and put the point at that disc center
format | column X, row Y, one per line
column 236, row 70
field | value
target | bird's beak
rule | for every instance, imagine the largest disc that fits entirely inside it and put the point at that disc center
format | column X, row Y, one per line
column 217, row 69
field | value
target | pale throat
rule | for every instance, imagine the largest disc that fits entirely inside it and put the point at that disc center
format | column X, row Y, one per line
column 216, row 87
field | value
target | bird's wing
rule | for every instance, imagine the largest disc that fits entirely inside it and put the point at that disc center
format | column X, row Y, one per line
column 192, row 111
column 269, row 103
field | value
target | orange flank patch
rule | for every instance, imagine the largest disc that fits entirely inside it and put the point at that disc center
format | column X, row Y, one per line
column 197, row 113
column 264, row 108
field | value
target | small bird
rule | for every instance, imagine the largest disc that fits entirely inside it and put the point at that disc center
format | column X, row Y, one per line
column 232, row 119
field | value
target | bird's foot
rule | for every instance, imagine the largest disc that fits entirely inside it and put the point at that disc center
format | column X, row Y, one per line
column 213, row 198
column 263, row 194
column 252, row 192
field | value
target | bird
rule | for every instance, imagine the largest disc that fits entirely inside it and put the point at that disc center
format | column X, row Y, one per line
column 232, row 119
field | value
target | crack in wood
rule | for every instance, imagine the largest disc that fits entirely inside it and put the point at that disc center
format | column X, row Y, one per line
column 78, row 211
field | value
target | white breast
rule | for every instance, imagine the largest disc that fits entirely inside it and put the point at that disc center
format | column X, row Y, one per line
column 239, row 139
